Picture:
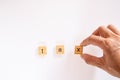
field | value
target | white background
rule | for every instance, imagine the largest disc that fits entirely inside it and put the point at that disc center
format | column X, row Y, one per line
column 27, row 24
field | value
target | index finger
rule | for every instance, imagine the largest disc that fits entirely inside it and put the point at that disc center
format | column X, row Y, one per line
column 94, row 40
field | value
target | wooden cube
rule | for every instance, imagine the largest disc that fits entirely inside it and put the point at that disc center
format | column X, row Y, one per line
column 79, row 49
column 60, row 49
column 42, row 50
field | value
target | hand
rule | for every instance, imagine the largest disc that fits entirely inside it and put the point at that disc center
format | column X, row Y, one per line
column 108, row 39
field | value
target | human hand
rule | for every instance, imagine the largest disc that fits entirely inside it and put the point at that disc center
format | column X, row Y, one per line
column 108, row 39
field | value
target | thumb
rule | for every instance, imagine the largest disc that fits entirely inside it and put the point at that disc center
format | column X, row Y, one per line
column 93, row 60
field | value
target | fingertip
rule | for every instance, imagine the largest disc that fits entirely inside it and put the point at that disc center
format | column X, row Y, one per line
column 84, row 56
column 92, row 60
column 83, row 43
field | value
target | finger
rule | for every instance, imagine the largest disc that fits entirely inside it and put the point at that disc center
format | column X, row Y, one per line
column 113, row 29
column 103, row 32
column 93, row 60
column 94, row 40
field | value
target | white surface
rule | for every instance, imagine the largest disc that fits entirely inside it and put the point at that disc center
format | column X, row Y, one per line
column 25, row 24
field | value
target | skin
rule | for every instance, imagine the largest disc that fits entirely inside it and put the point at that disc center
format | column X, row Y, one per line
column 108, row 39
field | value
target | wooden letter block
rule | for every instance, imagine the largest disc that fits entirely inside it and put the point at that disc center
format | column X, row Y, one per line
column 42, row 50
column 79, row 50
column 60, row 49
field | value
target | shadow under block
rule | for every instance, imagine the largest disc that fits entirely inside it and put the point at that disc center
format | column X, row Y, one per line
column 78, row 50
column 60, row 49
column 42, row 50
